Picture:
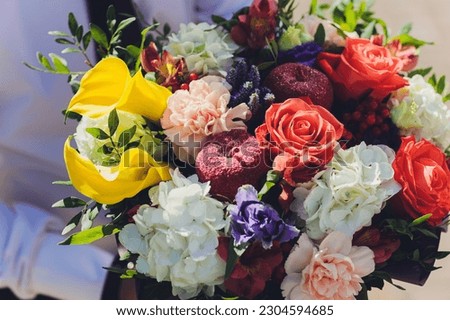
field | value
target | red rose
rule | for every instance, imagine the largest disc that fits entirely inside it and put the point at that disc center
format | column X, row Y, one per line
column 258, row 25
column 363, row 69
column 301, row 136
column 422, row 171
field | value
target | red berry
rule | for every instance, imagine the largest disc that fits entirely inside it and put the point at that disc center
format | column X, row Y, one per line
column 376, row 131
column 385, row 128
column 379, row 120
column 193, row 76
column 385, row 113
column 363, row 127
column 373, row 105
column 356, row 115
column 371, row 119
column 347, row 117
column 184, row 86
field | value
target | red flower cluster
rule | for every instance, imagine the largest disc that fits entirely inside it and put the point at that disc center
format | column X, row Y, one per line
column 258, row 26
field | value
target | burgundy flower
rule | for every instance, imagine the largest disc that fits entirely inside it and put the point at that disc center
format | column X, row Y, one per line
column 253, row 269
column 258, row 26
column 382, row 244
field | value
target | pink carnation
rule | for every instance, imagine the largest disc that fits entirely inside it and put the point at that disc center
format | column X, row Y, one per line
column 201, row 111
column 332, row 271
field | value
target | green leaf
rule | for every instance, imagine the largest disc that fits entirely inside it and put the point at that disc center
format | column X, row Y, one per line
column 126, row 136
column 79, row 34
column 233, row 256
column 73, row 24
column 63, row 183
column 97, row 133
column 313, row 7
column 44, row 61
column 350, row 16
column 440, row 87
column 407, row 40
column 423, row 72
column 113, row 122
column 218, row 20
column 133, row 50
column 446, row 98
column 111, row 17
column 368, row 30
column 71, row 50
column 266, row 65
column 427, row 233
column 124, row 23
column 406, row 29
column 131, row 145
column 59, row 34
column 72, row 223
column 99, row 36
column 59, row 63
column 69, row 202
column 86, row 40
column 442, row 254
column 90, row 235
column 129, row 274
column 272, row 178
column 421, row 220
column 64, row 41
column 319, row 37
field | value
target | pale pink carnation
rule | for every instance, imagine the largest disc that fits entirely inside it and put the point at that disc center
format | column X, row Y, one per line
column 332, row 271
column 200, row 112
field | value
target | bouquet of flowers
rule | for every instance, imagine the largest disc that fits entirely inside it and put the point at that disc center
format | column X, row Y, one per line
column 260, row 157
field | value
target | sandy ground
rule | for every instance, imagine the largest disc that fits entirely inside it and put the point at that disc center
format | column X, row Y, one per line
column 431, row 22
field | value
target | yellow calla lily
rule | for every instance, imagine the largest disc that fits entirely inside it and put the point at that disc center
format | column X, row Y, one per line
column 136, row 171
column 109, row 85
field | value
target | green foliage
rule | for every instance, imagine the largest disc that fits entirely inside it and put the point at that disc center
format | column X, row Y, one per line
column 233, row 256
column 285, row 15
column 272, row 179
column 69, row 202
column 90, row 235
column 439, row 83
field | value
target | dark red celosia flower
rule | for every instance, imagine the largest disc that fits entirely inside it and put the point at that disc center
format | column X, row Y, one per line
column 253, row 269
column 258, row 26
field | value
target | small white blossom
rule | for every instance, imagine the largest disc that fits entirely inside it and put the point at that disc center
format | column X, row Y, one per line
column 177, row 240
column 205, row 49
column 420, row 111
column 349, row 193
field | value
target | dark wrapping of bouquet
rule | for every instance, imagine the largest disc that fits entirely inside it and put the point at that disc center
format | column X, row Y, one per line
column 411, row 271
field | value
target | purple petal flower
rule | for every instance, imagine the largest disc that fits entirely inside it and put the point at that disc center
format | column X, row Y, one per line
column 305, row 53
column 253, row 220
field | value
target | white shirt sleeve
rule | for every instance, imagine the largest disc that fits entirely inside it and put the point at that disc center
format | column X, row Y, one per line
column 32, row 134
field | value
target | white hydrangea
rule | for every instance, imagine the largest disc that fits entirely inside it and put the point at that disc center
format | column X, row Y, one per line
column 349, row 192
column 420, row 111
column 91, row 148
column 206, row 49
column 177, row 238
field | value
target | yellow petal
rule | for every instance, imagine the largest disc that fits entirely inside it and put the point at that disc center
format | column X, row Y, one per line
column 101, row 88
column 144, row 97
column 136, row 171
column 109, row 85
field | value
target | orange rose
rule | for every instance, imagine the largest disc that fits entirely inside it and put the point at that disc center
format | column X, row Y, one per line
column 301, row 136
column 363, row 69
column 421, row 169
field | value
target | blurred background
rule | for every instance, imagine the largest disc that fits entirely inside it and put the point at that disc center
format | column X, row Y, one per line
column 430, row 19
